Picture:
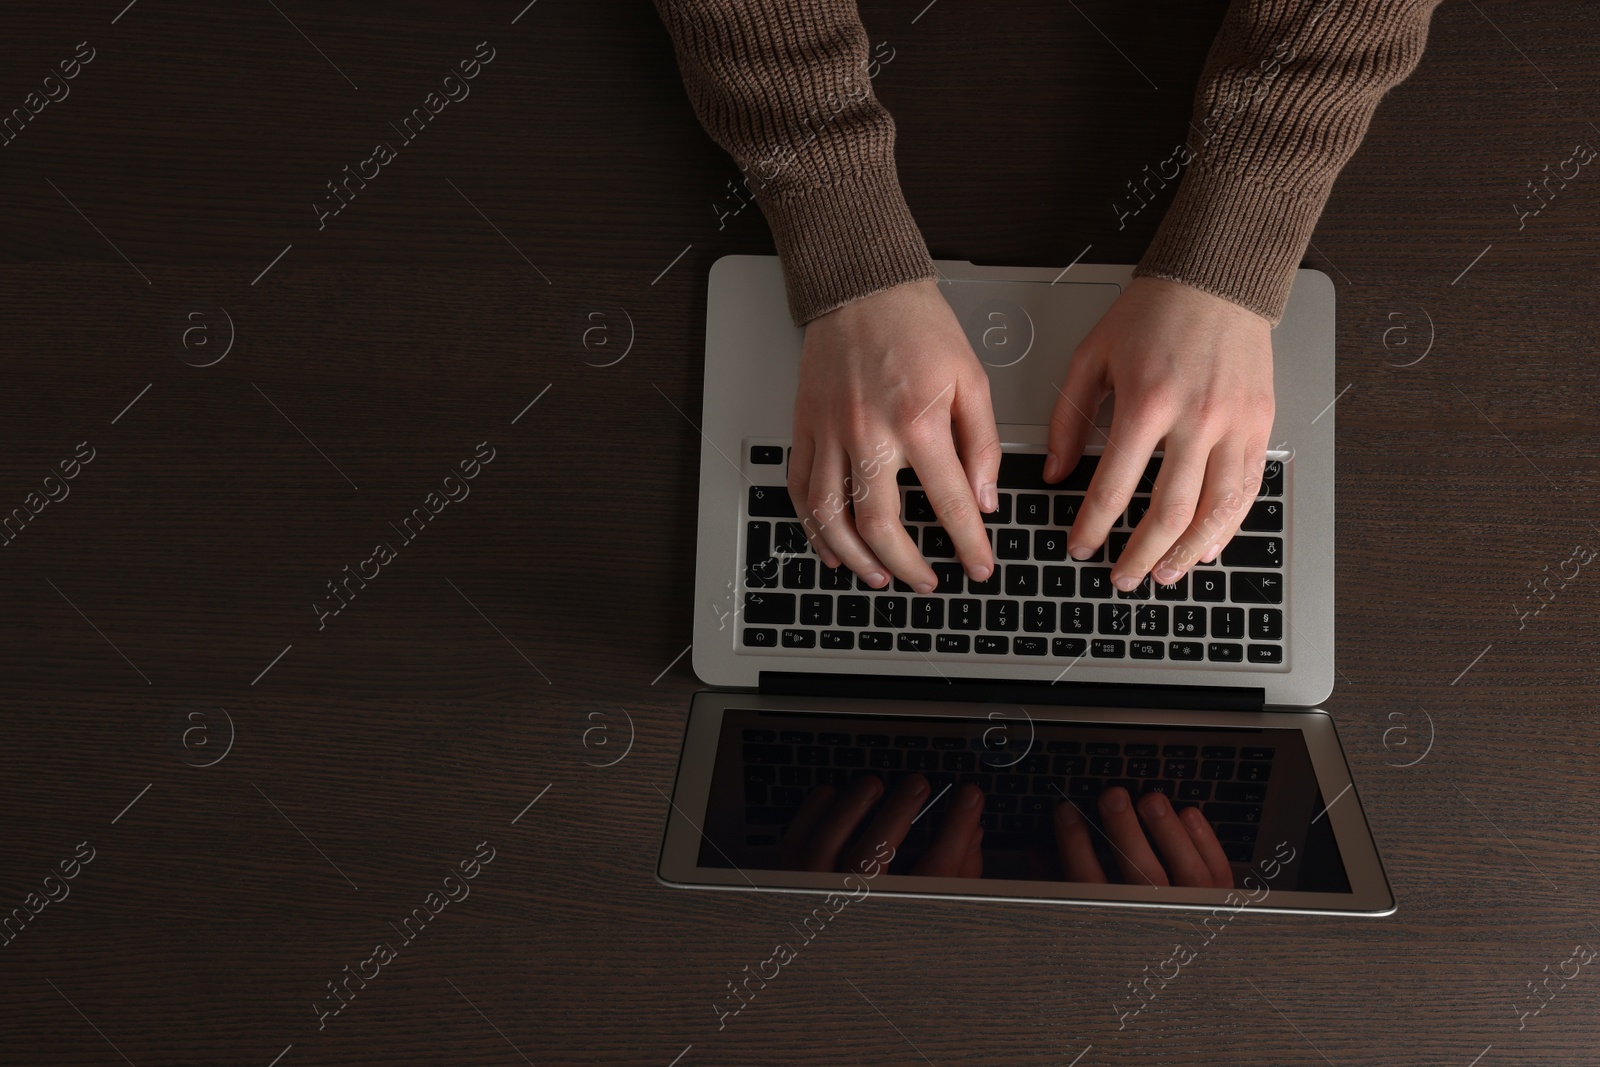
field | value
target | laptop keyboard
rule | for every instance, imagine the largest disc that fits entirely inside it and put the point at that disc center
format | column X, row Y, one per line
column 1038, row 604
column 1021, row 787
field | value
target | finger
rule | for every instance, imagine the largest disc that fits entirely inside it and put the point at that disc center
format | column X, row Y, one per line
column 945, row 856
column 892, row 822
column 1078, row 861
column 1078, row 400
column 801, row 457
column 791, row 850
column 978, row 441
column 1128, row 447
column 1222, row 508
column 831, row 834
column 1178, row 852
column 1205, row 840
column 877, row 521
column 1138, row 862
column 828, row 517
column 945, row 482
column 1177, row 492
column 972, row 866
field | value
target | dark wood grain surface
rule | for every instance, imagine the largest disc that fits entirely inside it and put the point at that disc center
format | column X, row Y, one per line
column 165, row 605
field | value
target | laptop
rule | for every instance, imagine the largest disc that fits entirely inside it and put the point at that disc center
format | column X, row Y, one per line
column 998, row 740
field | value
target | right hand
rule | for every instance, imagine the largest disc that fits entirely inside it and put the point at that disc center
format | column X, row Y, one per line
column 1187, row 843
column 890, row 381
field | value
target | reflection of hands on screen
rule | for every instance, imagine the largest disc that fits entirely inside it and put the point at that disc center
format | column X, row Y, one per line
column 826, row 820
column 1190, row 852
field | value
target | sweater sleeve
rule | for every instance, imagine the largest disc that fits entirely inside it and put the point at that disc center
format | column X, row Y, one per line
column 1288, row 90
column 785, row 87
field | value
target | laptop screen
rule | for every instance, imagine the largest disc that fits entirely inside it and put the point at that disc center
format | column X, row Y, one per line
column 1012, row 798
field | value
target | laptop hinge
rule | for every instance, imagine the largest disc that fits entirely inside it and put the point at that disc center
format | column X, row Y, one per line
column 989, row 691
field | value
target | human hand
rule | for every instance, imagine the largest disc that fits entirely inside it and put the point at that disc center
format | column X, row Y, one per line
column 826, row 820
column 1193, row 855
column 889, row 381
column 1190, row 370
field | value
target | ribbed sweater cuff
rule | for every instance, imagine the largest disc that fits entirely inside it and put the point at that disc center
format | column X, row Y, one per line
column 1233, row 238
column 844, row 241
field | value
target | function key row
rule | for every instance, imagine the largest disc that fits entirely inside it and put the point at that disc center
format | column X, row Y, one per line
column 1020, row 645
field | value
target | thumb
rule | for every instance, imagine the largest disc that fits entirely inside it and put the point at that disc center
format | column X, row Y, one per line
column 977, row 441
column 1080, row 396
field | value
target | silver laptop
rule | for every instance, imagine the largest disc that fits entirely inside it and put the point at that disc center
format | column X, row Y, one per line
column 1043, row 688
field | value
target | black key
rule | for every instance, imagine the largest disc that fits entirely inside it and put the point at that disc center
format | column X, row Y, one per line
column 1256, row 753
column 922, row 761
column 760, row 773
column 760, row 637
column 1217, row 811
column 1000, row 804
column 1022, row 579
column 1254, row 772
column 835, row 578
column 1068, row 646
column 1029, row 646
column 1095, row 582
column 1227, row 622
column 1077, row 618
column 1138, row 592
column 1135, row 749
column 1107, row 649
column 1034, row 763
column 1001, row 514
column 1102, row 748
column 1023, row 470
column 1080, row 476
column 1178, row 590
column 1179, row 769
column 771, row 502
column 1014, row 784
column 873, row 740
column 799, row 573
column 960, row 762
column 1147, row 649
column 908, row 642
column 1210, row 585
column 1231, row 831
column 885, row 759
column 1266, row 624
column 778, row 754
column 1188, row 622
column 1251, row 587
column 1194, row 791
column 1218, row 752
column 1039, row 617
column 791, row 538
column 989, row 645
column 1179, row 751
column 1070, row 748
column 988, row 587
column 1188, row 651
column 875, row 641
column 952, row 642
column 1265, row 654
column 1238, row 851
column 833, row 739
column 1002, row 615
column 1272, row 479
column 854, row 611
column 769, row 607
column 763, row 574
column 918, row 509
column 966, row 614
column 816, row 610
column 1217, row 770
column 1225, row 652
column 1238, row 793
column 757, row 541
column 801, row 775
column 838, row 639
column 760, row 737
column 1086, row 788
column 799, row 639
column 948, row 744
column 889, row 612
column 766, row 453
column 1150, row 620
column 927, row 613
column 1253, row 552
column 913, row 741
column 1058, row 581
column 1114, row 546
column 936, row 543
column 1137, row 507
column 1067, row 510
column 1038, row 805
column 1116, row 618
column 1050, row 544
column 1033, row 509
column 1265, row 516
column 849, row 757
column 1067, row 764
column 1142, row 768
column 1011, row 544
column 950, row 577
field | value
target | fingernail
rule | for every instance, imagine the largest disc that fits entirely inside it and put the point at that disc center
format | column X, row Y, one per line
column 1166, row 575
column 1125, row 583
column 989, row 497
column 923, row 587
column 919, row 785
column 1081, row 552
column 971, row 798
column 1211, row 554
column 877, row 579
column 1050, row 464
column 981, row 572
column 1115, row 799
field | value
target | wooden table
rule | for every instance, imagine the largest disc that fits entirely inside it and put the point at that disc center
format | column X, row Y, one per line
column 265, row 790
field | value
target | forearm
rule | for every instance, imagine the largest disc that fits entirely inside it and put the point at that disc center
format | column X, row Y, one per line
column 784, row 88
column 1286, row 96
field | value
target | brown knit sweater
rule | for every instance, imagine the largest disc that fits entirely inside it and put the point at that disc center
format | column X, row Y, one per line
column 1285, row 98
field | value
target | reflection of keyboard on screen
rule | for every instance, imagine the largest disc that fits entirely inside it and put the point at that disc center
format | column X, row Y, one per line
column 1021, row 783
column 1037, row 603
